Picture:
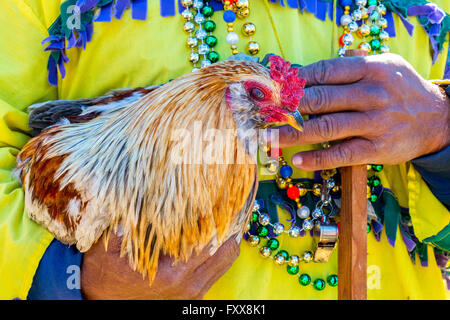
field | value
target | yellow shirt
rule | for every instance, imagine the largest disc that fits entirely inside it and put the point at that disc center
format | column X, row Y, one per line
column 130, row 53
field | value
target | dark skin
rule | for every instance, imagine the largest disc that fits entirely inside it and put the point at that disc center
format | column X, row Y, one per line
column 379, row 106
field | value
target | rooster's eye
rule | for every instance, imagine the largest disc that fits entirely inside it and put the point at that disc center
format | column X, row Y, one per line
column 257, row 93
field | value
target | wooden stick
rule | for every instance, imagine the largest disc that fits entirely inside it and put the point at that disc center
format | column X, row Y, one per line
column 352, row 250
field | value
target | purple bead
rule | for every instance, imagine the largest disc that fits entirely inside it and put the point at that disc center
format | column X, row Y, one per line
column 346, row 3
column 229, row 16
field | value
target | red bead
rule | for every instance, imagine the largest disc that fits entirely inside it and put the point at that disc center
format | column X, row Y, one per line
column 339, row 227
column 293, row 192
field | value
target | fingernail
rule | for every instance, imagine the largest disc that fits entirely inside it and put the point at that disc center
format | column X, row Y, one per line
column 297, row 160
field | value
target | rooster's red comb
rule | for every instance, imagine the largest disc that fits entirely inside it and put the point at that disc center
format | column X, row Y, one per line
column 291, row 84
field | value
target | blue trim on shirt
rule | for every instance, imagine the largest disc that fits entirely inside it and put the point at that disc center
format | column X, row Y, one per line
column 58, row 276
column 435, row 170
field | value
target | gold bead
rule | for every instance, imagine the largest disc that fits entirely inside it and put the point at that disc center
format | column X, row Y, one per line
column 244, row 13
column 264, row 148
column 234, row 51
column 186, row 3
column 301, row 187
column 230, row 24
column 253, row 48
column 293, row 261
column 242, row 4
column 248, row 29
column 234, row 47
column 253, row 240
column 317, row 189
column 230, row 29
column 369, row 192
column 281, row 158
column 283, row 163
column 281, row 183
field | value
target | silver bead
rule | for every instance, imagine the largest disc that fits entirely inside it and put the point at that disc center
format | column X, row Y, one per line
column 357, row 15
column 198, row 4
column 303, row 212
column 331, row 183
column 232, row 38
column 193, row 57
column 195, row 69
column 384, row 49
column 348, row 39
column 242, row 4
column 189, row 26
column 294, row 232
column 205, row 63
column 307, row 256
column 199, row 18
column 341, row 52
column 353, row 26
column 317, row 213
column 187, row 15
column 278, row 228
column 361, row 2
column 192, row 42
column 256, row 206
column 384, row 36
column 264, row 219
column 203, row 48
column 307, row 224
column 201, row 34
column 364, row 30
column 382, row 22
column 293, row 261
column 253, row 240
column 365, row 46
column 279, row 259
column 265, row 252
column 346, row 19
column 381, row 9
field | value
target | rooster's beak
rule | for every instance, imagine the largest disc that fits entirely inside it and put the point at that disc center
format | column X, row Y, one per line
column 295, row 120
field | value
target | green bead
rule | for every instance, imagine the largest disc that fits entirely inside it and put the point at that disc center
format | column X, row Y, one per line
column 273, row 244
column 377, row 167
column 372, row 2
column 319, row 284
column 368, row 228
column 373, row 198
column 255, row 216
column 292, row 270
column 211, row 41
column 375, row 44
column 262, row 231
column 209, row 26
column 284, row 253
column 304, row 279
column 374, row 181
column 332, row 280
column 213, row 56
column 207, row 11
column 375, row 30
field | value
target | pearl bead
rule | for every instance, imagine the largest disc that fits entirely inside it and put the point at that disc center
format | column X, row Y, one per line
column 278, row 228
column 294, row 232
column 346, row 19
column 193, row 57
column 203, row 48
column 189, row 27
column 264, row 219
column 232, row 38
column 192, row 42
column 303, row 212
column 307, row 224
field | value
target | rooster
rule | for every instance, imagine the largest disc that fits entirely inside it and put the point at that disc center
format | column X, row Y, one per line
column 105, row 165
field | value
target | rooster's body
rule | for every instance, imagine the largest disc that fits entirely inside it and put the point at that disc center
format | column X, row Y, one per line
column 108, row 163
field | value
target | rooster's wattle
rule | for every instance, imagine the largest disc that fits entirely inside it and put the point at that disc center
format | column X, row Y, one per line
column 107, row 164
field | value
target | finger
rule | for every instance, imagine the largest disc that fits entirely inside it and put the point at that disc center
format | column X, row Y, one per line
column 334, row 71
column 351, row 97
column 348, row 153
column 356, row 52
column 328, row 127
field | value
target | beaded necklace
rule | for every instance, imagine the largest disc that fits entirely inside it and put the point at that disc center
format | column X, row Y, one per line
column 320, row 220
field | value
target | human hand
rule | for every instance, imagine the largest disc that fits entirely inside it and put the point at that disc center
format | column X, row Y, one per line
column 382, row 108
column 106, row 276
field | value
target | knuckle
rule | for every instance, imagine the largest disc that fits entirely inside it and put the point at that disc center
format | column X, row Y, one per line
column 325, row 127
column 344, row 154
column 321, row 71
